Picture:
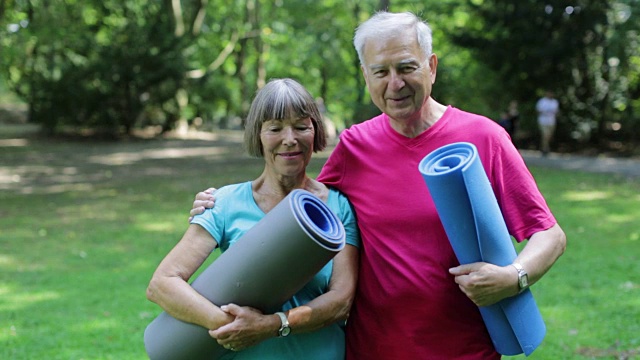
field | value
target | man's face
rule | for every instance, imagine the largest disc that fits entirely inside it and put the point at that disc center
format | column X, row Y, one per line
column 398, row 75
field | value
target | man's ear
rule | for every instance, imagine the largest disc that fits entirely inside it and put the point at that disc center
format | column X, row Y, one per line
column 433, row 67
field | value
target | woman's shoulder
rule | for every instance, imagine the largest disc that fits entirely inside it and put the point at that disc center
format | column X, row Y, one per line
column 232, row 190
column 229, row 196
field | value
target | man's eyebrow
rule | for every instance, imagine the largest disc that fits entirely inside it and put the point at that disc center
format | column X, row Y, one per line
column 374, row 67
column 409, row 62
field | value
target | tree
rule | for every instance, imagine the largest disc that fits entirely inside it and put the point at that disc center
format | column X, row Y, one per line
column 101, row 66
column 534, row 46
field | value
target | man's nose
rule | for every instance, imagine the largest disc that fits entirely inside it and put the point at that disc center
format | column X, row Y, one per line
column 396, row 80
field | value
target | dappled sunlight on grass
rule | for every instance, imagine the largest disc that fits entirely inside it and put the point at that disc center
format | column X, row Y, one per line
column 56, row 189
column 8, row 262
column 13, row 142
column 126, row 158
column 99, row 322
column 14, row 300
column 158, row 226
column 622, row 218
column 586, row 195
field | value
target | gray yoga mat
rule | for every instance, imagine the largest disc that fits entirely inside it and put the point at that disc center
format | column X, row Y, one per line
column 263, row 269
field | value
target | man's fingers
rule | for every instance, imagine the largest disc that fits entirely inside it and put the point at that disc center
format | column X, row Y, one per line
column 196, row 211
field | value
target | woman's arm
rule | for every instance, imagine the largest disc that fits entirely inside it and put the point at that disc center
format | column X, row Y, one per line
column 169, row 287
column 251, row 327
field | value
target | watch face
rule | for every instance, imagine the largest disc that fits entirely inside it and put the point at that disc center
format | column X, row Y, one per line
column 285, row 331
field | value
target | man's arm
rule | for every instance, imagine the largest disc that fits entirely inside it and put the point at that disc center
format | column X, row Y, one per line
column 486, row 284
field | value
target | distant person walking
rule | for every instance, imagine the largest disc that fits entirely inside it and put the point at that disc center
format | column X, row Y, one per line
column 547, row 108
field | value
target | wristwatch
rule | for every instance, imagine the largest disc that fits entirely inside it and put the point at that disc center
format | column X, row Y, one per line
column 284, row 330
column 523, row 277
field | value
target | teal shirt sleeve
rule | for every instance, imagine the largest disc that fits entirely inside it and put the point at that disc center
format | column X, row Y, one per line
column 212, row 220
column 342, row 207
column 234, row 213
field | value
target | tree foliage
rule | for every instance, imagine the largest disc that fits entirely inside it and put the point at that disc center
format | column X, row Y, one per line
column 573, row 48
column 118, row 65
column 97, row 65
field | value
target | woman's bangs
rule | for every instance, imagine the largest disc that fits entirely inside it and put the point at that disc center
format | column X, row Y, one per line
column 288, row 106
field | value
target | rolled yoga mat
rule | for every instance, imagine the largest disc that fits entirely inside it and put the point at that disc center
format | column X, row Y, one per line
column 477, row 231
column 263, row 269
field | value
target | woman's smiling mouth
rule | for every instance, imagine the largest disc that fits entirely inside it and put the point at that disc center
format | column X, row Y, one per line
column 289, row 155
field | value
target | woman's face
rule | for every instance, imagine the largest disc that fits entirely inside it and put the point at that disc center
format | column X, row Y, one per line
column 287, row 145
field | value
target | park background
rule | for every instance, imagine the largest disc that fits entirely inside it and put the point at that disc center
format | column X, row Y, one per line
column 114, row 113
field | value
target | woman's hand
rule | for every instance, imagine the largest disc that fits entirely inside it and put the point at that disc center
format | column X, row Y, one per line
column 248, row 328
column 204, row 200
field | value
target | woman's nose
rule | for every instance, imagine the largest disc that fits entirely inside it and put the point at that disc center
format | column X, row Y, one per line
column 289, row 136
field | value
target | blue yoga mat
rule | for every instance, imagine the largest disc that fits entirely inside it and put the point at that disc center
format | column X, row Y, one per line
column 263, row 269
column 476, row 229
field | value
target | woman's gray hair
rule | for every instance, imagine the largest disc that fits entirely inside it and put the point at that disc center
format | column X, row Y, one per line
column 282, row 99
column 384, row 23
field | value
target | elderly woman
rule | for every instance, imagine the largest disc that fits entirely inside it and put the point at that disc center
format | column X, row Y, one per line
column 284, row 127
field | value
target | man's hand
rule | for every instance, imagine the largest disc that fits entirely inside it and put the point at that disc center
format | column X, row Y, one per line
column 204, row 200
column 486, row 284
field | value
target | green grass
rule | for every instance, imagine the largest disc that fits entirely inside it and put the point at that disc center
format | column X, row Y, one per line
column 83, row 225
column 590, row 300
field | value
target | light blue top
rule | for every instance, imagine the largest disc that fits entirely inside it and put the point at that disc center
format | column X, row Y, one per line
column 234, row 213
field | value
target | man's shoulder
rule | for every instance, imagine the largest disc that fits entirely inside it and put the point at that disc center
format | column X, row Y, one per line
column 363, row 129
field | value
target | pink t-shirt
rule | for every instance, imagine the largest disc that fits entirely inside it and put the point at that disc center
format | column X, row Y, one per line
column 407, row 305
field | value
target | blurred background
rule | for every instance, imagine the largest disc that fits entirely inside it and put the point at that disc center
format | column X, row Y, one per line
column 117, row 68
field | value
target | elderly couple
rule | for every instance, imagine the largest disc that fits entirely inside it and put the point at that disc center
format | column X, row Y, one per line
column 397, row 280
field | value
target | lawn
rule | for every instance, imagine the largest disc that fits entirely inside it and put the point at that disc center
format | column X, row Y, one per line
column 83, row 224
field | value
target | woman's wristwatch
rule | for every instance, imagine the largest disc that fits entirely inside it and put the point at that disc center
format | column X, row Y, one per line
column 284, row 330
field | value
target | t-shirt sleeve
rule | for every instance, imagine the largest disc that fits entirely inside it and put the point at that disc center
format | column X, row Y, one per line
column 348, row 218
column 333, row 170
column 212, row 220
column 524, row 208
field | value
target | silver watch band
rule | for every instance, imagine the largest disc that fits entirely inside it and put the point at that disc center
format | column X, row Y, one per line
column 284, row 327
column 523, row 277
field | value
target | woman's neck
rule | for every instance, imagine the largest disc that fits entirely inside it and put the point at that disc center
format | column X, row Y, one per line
column 269, row 190
column 278, row 186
